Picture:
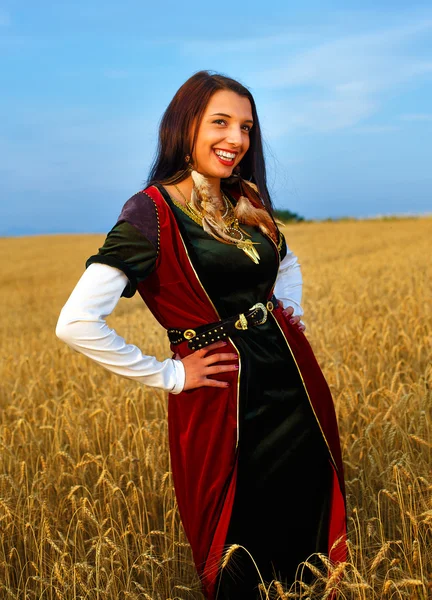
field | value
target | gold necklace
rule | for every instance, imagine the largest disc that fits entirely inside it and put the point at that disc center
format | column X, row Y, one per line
column 231, row 223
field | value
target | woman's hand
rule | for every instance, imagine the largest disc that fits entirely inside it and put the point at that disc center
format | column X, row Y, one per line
column 199, row 365
column 293, row 320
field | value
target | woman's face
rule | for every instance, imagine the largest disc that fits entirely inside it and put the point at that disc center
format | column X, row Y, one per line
column 223, row 135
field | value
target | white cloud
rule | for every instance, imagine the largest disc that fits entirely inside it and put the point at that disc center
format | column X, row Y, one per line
column 329, row 113
column 197, row 47
column 5, row 19
column 420, row 68
column 116, row 73
column 371, row 57
column 375, row 129
column 77, row 147
column 329, row 85
column 416, row 117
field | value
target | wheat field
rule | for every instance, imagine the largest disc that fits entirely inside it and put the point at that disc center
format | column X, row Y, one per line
column 87, row 508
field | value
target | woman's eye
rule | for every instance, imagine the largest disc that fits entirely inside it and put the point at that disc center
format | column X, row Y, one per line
column 246, row 128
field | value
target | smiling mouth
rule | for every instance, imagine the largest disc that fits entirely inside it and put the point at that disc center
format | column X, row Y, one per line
column 225, row 157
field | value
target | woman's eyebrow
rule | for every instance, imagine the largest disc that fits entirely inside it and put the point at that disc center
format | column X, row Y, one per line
column 229, row 117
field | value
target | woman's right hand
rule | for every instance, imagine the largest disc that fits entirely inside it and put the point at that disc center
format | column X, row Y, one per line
column 199, row 365
column 293, row 320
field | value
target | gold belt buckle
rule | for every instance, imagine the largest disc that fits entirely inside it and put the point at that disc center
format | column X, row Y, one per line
column 241, row 323
column 188, row 334
column 264, row 309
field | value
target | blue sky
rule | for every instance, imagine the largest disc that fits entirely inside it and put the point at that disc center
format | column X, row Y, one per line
column 343, row 91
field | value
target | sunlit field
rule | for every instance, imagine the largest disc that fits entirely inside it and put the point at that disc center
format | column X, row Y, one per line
column 87, row 508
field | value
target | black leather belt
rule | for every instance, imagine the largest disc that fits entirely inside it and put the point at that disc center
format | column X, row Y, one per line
column 212, row 332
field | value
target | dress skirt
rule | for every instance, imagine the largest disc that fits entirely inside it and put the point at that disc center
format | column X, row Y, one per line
column 256, row 464
column 284, row 478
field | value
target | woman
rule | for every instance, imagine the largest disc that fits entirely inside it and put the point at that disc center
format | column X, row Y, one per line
column 253, row 437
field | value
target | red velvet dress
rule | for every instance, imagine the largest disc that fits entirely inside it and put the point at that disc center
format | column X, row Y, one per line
column 259, row 463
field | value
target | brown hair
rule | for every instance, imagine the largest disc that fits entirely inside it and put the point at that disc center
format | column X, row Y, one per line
column 188, row 107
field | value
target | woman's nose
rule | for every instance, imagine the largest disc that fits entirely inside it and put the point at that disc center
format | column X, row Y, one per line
column 234, row 135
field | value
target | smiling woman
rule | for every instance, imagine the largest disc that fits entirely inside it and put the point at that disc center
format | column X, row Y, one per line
column 249, row 409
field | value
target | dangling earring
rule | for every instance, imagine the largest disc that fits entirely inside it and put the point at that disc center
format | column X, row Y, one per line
column 189, row 164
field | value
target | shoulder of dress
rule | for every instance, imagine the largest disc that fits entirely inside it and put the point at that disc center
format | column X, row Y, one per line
column 153, row 192
column 141, row 211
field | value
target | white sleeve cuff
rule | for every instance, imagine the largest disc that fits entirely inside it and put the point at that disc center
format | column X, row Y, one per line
column 180, row 377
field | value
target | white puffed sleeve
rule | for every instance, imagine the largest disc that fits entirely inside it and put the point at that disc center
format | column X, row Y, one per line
column 289, row 283
column 82, row 326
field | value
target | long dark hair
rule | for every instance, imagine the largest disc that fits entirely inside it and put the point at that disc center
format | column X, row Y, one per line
column 188, row 107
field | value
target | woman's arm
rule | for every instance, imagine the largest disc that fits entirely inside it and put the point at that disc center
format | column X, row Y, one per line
column 289, row 283
column 82, row 326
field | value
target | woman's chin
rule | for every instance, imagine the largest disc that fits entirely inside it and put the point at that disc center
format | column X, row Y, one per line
column 223, row 173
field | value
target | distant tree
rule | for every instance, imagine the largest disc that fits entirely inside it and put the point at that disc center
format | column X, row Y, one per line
column 287, row 216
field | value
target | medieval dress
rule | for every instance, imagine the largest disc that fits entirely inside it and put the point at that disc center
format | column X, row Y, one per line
column 257, row 464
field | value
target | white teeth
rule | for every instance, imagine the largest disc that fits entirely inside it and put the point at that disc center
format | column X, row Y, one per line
column 227, row 155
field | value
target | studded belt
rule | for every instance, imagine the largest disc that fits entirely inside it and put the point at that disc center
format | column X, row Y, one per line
column 202, row 336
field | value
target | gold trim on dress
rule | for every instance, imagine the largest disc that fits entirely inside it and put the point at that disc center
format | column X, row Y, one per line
column 185, row 210
column 280, row 241
column 307, row 394
column 298, row 369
